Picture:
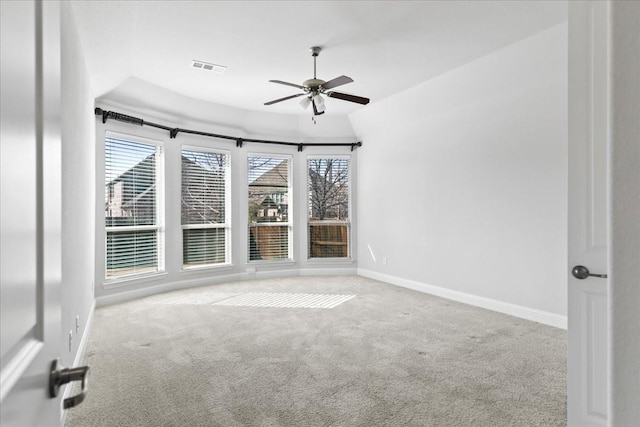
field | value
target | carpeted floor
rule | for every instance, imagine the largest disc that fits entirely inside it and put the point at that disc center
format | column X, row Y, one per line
column 386, row 357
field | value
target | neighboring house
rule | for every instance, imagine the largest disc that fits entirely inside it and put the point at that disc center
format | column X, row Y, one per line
column 203, row 200
column 131, row 196
column 269, row 195
column 270, row 210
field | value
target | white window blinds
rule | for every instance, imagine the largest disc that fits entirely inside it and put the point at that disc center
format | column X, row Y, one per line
column 269, row 200
column 329, row 225
column 205, row 208
column 133, row 179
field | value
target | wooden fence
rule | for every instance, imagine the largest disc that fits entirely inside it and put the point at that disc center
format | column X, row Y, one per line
column 328, row 241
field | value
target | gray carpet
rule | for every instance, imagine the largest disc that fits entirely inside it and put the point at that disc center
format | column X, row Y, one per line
column 387, row 357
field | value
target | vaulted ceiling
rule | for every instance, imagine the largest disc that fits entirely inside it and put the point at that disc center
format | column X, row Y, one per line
column 385, row 46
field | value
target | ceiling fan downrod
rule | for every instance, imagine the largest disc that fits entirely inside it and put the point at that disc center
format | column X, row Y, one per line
column 315, row 51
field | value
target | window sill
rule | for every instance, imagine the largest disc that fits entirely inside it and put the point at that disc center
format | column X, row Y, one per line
column 324, row 261
column 267, row 263
column 133, row 280
column 206, row 268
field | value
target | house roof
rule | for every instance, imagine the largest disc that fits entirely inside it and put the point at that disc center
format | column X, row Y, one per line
column 274, row 177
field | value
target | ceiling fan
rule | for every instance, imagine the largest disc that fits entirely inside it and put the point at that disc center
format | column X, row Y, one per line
column 313, row 88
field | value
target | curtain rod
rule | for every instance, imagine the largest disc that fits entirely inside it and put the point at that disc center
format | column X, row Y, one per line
column 173, row 132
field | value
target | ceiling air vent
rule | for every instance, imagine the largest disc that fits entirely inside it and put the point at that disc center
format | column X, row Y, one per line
column 207, row 66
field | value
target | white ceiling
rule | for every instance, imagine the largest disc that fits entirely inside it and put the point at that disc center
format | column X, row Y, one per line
column 385, row 46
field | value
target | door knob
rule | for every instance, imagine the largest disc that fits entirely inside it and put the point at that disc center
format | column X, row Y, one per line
column 59, row 377
column 582, row 272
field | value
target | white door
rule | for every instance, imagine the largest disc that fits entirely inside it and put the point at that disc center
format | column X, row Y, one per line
column 587, row 371
column 30, row 210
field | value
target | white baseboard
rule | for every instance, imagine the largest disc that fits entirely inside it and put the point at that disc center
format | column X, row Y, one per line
column 546, row 318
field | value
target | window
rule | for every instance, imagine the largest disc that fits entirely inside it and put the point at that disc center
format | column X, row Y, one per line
column 133, row 194
column 329, row 227
column 269, row 201
column 205, row 208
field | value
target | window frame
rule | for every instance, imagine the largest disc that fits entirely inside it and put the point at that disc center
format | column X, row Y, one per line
column 349, row 218
column 228, row 211
column 159, row 226
column 290, row 205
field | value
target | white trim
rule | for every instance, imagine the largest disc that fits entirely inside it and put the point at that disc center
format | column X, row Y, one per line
column 127, row 228
column 330, row 261
column 133, row 279
column 544, row 317
column 201, row 226
column 82, row 347
column 199, row 269
column 11, row 373
column 132, row 138
column 271, row 263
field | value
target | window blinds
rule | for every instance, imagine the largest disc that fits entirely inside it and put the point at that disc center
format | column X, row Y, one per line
column 133, row 239
column 205, row 225
column 269, row 199
column 328, row 189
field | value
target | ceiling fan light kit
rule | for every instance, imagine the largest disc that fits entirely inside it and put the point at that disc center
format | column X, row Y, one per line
column 313, row 88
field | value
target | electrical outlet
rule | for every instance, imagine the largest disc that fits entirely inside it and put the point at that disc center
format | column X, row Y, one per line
column 77, row 323
column 70, row 341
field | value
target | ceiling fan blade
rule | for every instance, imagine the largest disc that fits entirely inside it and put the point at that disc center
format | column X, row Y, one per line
column 338, row 81
column 315, row 109
column 284, row 99
column 280, row 82
column 347, row 97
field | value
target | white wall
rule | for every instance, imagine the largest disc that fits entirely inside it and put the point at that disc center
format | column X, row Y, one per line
column 78, row 188
column 463, row 182
column 175, row 110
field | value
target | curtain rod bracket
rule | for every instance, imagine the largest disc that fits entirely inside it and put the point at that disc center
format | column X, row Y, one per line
column 105, row 114
column 239, row 142
column 357, row 144
column 173, row 133
column 117, row 116
column 299, row 148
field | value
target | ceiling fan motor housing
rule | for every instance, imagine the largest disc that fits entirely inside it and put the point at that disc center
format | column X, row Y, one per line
column 313, row 83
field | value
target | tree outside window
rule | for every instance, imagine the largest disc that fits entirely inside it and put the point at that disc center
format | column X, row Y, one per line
column 328, row 182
